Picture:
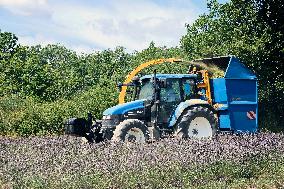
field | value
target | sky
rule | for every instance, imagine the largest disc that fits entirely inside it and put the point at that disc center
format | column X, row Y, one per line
column 93, row 25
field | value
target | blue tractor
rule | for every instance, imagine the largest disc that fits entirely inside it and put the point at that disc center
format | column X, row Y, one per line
column 188, row 105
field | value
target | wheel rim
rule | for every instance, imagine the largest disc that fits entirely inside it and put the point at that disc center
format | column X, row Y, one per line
column 200, row 127
column 135, row 135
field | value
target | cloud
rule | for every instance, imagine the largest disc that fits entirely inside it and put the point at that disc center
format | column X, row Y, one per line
column 132, row 24
column 43, row 41
column 106, row 24
column 25, row 7
column 35, row 40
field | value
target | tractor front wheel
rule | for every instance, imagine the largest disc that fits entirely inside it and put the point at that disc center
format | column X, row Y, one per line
column 197, row 122
column 131, row 130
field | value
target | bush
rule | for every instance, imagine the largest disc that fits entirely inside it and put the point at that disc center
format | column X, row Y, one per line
column 26, row 116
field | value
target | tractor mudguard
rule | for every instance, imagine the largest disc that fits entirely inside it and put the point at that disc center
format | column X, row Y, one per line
column 183, row 106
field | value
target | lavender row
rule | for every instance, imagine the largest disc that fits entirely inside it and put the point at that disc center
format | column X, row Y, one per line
column 56, row 157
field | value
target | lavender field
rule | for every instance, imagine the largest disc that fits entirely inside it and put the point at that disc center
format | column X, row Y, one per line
column 228, row 161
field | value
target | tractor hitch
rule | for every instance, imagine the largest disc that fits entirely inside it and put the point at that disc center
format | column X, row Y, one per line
column 84, row 128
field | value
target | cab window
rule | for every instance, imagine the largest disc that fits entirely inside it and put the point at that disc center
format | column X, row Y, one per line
column 172, row 92
column 188, row 86
column 146, row 91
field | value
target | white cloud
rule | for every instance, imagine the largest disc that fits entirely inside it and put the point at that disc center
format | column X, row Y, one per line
column 132, row 24
column 107, row 24
column 25, row 7
column 35, row 40
column 42, row 40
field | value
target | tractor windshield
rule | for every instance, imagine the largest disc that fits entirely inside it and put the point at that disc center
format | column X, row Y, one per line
column 146, row 91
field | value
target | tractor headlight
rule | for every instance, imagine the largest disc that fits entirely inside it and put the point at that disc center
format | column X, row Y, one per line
column 110, row 120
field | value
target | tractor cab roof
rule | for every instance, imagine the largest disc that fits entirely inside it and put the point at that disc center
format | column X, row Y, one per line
column 171, row 76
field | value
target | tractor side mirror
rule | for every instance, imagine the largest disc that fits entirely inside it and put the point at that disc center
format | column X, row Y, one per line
column 163, row 83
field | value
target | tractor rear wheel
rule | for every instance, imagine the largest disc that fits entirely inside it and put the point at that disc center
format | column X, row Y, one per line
column 131, row 130
column 197, row 122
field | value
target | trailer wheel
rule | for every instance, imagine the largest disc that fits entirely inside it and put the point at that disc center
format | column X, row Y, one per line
column 131, row 130
column 197, row 122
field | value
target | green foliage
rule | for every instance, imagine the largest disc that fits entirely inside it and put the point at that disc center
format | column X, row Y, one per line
column 26, row 116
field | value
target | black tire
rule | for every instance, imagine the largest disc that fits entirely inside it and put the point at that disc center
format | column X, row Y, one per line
column 131, row 130
column 197, row 122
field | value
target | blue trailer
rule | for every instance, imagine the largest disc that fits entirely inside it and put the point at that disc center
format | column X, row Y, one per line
column 236, row 96
column 190, row 105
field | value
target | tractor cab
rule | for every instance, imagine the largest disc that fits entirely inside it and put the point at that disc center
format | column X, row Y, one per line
column 172, row 90
column 154, row 100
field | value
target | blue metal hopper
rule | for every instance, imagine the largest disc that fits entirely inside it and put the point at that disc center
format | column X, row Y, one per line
column 235, row 95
